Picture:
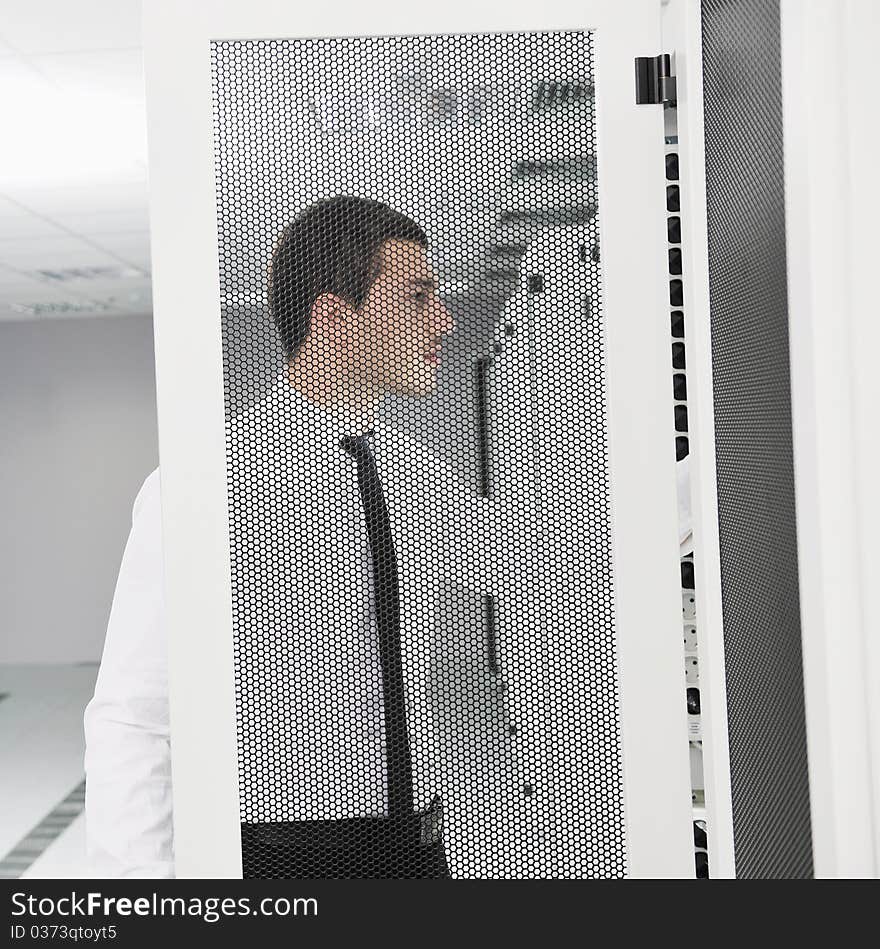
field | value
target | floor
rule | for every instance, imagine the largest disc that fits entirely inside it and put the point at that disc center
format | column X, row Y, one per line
column 42, row 825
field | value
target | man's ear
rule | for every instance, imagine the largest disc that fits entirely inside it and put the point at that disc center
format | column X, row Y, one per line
column 330, row 307
column 329, row 319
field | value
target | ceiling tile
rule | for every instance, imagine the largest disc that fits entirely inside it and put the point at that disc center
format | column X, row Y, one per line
column 102, row 72
column 34, row 299
column 13, row 281
column 35, row 253
column 59, row 25
column 98, row 225
column 125, row 290
column 18, row 222
column 69, row 133
column 34, row 292
column 18, row 73
column 134, row 248
column 42, row 300
column 57, row 201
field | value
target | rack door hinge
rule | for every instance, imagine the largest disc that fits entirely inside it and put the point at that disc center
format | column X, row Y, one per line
column 655, row 83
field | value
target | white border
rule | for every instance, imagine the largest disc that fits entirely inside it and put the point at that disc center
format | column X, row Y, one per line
column 832, row 209
column 683, row 37
column 191, row 422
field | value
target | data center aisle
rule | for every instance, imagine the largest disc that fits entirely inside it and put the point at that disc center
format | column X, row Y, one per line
column 42, row 824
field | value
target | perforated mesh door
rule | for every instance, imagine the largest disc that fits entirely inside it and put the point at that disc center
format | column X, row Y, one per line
column 423, row 615
column 753, row 451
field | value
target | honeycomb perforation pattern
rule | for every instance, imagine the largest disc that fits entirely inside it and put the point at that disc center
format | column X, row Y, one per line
column 485, row 145
column 754, row 462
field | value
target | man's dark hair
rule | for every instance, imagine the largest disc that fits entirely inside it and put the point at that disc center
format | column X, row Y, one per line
column 332, row 246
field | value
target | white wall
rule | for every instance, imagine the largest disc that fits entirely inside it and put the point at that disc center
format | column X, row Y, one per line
column 832, row 205
column 77, row 438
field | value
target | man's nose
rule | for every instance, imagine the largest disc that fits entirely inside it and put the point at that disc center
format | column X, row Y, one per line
column 444, row 321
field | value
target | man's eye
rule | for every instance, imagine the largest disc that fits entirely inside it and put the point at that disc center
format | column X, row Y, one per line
column 420, row 295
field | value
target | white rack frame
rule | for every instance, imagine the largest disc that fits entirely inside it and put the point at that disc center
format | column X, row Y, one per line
column 682, row 38
column 191, row 406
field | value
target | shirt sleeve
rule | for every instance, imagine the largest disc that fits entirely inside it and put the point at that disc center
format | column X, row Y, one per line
column 126, row 723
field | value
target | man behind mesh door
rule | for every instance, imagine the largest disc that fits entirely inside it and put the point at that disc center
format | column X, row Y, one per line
column 334, row 780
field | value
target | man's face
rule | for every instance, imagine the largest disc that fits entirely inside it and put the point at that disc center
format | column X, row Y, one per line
column 403, row 322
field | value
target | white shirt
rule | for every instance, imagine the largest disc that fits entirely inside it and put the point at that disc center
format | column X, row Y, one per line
column 330, row 765
column 309, row 670
column 325, row 765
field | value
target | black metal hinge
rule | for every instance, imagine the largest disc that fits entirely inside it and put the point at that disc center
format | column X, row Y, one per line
column 655, row 83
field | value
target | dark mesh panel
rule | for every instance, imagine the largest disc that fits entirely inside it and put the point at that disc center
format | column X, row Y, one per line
column 756, row 503
column 420, row 548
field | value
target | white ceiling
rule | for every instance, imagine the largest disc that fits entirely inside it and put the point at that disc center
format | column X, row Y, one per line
column 74, row 220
